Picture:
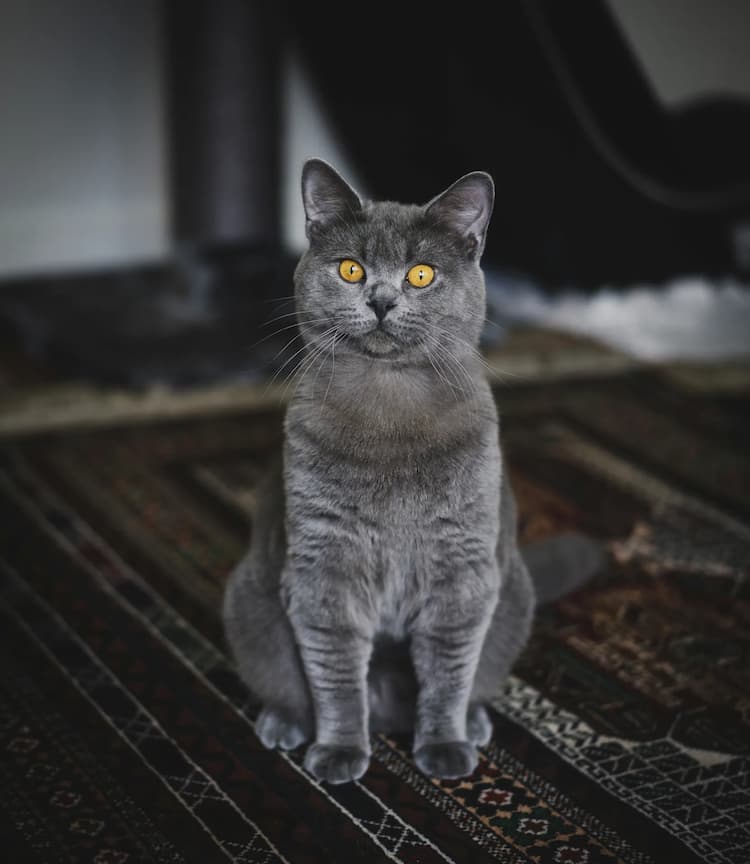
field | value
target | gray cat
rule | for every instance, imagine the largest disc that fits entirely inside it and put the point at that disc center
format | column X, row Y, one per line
column 384, row 588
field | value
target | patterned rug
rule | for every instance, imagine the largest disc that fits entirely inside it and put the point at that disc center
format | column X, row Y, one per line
column 623, row 735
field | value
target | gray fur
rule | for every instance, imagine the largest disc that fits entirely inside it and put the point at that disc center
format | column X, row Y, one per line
column 384, row 587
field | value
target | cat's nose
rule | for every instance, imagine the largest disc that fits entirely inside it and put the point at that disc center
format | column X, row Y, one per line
column 381, row 306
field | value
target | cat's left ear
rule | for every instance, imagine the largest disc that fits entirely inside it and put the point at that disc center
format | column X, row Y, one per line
column 465, row 208
column 326, row 196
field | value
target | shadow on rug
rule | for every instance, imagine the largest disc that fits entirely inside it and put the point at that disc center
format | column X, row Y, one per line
column 622, row 736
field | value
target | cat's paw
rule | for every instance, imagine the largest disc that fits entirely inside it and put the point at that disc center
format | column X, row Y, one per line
column 336, row 764
column 450, row 759
column 282, row 728
column 478, row 725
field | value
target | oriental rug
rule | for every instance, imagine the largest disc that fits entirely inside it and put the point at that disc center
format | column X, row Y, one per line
column 622, row 736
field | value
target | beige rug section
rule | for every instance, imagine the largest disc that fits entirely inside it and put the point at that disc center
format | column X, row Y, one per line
column 34, row 400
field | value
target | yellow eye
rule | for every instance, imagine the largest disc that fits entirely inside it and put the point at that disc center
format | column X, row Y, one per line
column 351, row 271
column 420, row 275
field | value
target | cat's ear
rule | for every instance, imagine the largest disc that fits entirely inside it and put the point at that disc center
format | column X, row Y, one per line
column 326, row 196
column 465, row 209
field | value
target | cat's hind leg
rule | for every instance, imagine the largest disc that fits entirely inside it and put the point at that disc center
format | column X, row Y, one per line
column 263, row 645
column 478, row 725
column 505, row 639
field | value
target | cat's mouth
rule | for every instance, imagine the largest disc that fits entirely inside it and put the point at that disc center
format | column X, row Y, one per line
column 377, row 342
column 380, row 341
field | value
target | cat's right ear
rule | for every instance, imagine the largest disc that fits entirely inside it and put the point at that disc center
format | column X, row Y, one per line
column 465, row 208
column 326, row 196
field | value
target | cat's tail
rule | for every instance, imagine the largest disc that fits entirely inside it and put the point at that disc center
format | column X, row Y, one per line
column 561, row 564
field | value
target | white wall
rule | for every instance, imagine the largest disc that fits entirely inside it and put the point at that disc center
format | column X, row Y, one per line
column 306, row 133
column 83, row 176
column 83, row 172
column 689, row 48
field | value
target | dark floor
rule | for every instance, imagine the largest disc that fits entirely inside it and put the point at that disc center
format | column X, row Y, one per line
column 180, row 325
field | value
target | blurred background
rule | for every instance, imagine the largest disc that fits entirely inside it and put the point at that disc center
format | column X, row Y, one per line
column 150, row 155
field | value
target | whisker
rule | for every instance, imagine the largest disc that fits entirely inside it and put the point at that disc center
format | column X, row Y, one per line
column 493, row 373
column 283, row 329
column 437, row 366
column 322, row 354
column 444, row 348
column 333, row 369
column 298, row 313
column 280, row 302
column 279, row 299
column 464, row 380
column 299, row 372
column 282, row 350
column 305, row 366
column 441, row 375
column 317, row 350
column 296, row 353
column 279, row 317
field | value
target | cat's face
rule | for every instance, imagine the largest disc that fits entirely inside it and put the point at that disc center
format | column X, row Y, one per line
column 392, row 281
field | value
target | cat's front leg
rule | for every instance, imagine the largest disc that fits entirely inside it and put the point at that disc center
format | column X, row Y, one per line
column 335, row 637
column 446, row 645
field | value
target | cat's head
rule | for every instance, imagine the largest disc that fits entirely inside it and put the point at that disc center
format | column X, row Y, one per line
column 392, row 281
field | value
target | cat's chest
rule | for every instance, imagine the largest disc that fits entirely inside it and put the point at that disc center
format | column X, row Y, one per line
column 394, row 495
column 399, row 499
